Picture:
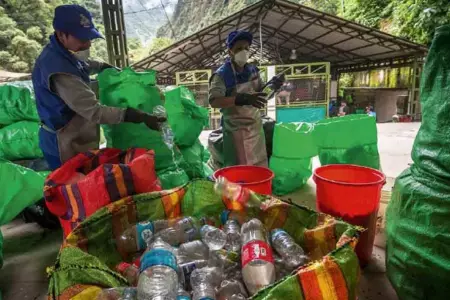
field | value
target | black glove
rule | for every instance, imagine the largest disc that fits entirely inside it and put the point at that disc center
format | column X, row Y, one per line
column 257, row 100
column 137, row 116
column 108, row 66
column 277, row 82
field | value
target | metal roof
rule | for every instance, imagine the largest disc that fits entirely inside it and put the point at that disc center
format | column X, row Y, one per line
column 316, row 36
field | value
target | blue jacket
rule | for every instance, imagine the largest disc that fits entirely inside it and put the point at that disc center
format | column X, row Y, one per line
column 226, row 72
column 52, row 110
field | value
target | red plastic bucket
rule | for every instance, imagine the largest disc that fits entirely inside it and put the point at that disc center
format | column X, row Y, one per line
column 257, row 179
column 353, row 194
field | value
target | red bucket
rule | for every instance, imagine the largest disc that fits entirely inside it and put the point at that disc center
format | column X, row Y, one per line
column 257, row 179
column 353, row 194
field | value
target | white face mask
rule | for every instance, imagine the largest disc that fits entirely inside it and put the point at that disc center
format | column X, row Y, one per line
column 241, row 58
column 82, row 55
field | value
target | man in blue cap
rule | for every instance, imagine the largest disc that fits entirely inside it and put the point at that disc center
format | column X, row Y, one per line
column 235, row 88
column 69, row 110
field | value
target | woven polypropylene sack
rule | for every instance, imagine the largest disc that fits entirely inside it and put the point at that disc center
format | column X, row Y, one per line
column 350, row 139
column 20, row 141
column 291, row 161
column 186, row 118
column 93, row 179
column 17, row 103
column 137, row 90
column 88, row 256
column 417, row 226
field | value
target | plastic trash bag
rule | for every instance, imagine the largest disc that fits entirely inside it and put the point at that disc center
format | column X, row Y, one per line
column 215, row 147
column 417, row 217
column 291, row 161
column 20, row 141
column 269, row 127
column 186, row 118
column 195, row 158
column 172, row 177
column 350, row 139
column 23, row 189
column 17, row 103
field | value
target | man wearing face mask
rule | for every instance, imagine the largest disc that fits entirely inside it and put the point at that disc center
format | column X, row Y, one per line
column 69, row 110
column 235, row 88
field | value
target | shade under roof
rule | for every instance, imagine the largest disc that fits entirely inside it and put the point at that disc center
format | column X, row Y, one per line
column 316, row 36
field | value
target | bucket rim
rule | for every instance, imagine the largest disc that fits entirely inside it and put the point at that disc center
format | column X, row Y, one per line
column 272, row 175
column 381, row 181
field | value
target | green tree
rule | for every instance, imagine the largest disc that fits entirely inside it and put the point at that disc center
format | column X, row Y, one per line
column 366, row 12
column 35, row 33
column 158, row 44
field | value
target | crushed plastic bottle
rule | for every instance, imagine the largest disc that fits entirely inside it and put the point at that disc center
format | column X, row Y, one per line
column 258, row 268
column 167, row 133
column 193, row 250
column 158, row 278
column 122, row 293
column 189, row 267
column 182, row 294
column 204, row 282
column 233, row 232
column 184, row 230
column 213, row 237
column 129, row 271
column 292, row 254
column 242, row 197
column 280, row 268
column 136, row 238
column 230, row 289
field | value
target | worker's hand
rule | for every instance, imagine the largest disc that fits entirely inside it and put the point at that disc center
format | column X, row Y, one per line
column 137, row 116
column 276, row 82
column 108, row 66
column 257, row 100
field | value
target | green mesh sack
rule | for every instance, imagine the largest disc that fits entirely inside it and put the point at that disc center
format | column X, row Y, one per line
column 291, row 161
column 417, row 218
column 20, row 141
column 195, row 158
column 17, row 103
column 89, row 254
column 186, row 118
column 350, row 139
column 135, row 89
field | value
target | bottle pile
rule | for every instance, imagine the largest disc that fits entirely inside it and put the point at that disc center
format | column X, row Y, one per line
column 188, row 258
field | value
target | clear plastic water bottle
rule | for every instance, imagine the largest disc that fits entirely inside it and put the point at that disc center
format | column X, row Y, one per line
column 280, row 268
column 233, row 232
column 240, row 216
column 189, row 267
column 182, row 294
column 258, row 268
column 204, row 282
column 184, row 230
column 230, row 288
column 129, row 271
column 158, row 278
column 236, row 193
column 136, row 238
column 167, row 132
column 213, row 237
column 193, row 250
column 292, row 254
column 122, row 293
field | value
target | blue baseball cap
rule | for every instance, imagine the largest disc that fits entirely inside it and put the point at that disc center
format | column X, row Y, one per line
column 75, row 20
column 238, row 35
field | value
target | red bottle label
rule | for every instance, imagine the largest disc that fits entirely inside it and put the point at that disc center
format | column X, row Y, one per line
column 256, row 250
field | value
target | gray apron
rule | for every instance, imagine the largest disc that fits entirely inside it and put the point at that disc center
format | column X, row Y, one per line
column 243, row 136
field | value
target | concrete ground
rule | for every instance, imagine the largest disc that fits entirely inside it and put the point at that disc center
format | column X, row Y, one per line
column 29, row 250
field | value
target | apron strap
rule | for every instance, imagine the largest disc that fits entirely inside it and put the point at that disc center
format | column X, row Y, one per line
column 46, row 128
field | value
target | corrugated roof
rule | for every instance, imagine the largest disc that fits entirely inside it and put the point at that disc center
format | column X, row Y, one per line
column 316, row 36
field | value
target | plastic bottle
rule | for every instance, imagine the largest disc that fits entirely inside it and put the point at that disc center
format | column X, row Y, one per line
column 182, row 294
column 136, row 238
column 229, row 289
column 193, row 250
column 129, row 271
column 158, row 278
column 233, row 232
column 122, row 293
column 189, row 267
column 204, row 282
column 184, row 230
column 258, row 268
column 167, row 132
column 236, row 193
column 292, row 254
column 213, row 237
column 240, row 216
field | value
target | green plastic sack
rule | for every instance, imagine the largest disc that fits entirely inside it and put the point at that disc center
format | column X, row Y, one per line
column 20, row 141
column 291, row 161
column 24, row 188
column 135, row 89
column 195, row 158
column 417, row 218
column 17, row 103
column 186, row 118
column 172, row 177
column 350, row 139
column 88, row 256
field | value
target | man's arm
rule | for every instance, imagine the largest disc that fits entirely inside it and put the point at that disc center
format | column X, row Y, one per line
column 81, row 99
column 96, row 66
column 217, row 91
